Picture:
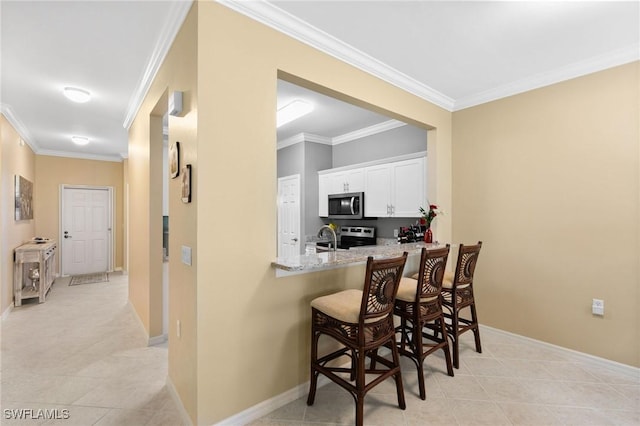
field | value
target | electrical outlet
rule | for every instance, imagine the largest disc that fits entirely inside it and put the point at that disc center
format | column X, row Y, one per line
column 396, row 232
column 179, row 329
column 597, row 307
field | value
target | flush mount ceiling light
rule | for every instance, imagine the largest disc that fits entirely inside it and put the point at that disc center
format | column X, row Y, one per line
column 292, row 111
column 80, row 140
column 77, row 95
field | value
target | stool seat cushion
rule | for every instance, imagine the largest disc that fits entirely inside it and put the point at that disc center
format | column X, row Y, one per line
column 407, row 290
column 343, row 306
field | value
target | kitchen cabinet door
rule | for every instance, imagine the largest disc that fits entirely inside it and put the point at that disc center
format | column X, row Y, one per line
column 346, row 181
column 377, row 191
column 355, row 180
column 408, row 191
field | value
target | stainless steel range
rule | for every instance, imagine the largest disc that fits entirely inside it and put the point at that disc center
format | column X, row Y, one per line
column 355, row 236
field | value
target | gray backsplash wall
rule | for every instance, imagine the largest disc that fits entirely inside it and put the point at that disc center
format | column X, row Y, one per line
column 399, row 141
column 384, row 226
column 317, row 157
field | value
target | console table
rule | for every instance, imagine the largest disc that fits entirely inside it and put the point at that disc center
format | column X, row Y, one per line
column 34, row 270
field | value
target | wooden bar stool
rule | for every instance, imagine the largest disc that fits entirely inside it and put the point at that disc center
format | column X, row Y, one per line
column 361, row 321
column 419, row 305
column 457, row 294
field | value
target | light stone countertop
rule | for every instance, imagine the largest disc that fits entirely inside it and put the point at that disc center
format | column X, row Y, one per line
column 329, row 260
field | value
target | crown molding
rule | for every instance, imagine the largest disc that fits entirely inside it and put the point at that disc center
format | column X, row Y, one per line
column 284, row 22
column 19, row 127
column 367, row 131
column 310, row 137
column 303, row 137
column 347, row 137
column 291, row 141
column 177, row 15
column 80, row 155
column 598, row 63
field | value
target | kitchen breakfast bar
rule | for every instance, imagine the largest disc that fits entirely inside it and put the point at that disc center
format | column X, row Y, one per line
column 316, row 262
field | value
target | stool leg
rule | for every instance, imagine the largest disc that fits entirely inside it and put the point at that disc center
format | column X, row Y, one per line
column 398, row 376
column 360, row 382
column 476, row 329
column 454, row 337
column 418, row 350
column 314, row 373
column 445, row 348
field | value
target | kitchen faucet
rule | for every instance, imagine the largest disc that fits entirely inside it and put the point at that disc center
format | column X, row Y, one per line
column 335, row 238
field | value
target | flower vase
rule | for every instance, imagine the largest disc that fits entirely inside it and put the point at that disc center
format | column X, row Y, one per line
column 428, row 236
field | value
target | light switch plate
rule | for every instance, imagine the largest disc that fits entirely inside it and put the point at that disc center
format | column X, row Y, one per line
column 186, row 255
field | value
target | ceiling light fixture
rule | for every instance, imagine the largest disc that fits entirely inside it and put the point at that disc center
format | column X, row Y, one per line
column 292, row 111
column 77, row 95
column 80, row 140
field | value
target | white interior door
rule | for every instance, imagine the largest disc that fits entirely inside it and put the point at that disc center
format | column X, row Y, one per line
column 289, row 216
column 86, row 230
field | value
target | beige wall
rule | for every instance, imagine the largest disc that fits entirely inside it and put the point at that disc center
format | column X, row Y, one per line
column 549, row 180
column 15, row 159
column 55, row 171
column 178, row 73
column 253, row 329
column 239, row 323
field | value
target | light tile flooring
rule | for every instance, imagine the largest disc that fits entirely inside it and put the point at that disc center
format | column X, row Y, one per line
column 513, row 382
column 83, row 351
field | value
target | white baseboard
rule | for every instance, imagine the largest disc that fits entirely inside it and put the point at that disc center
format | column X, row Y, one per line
column 265, row 407
column 7, row 311
column 186, row 420
column 580, row 356
column 135, row 313
column 158, row 340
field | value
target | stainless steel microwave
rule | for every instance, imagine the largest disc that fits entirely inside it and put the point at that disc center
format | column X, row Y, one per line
column 346, row 206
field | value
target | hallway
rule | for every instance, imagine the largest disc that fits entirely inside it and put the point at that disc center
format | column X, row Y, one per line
column 83, row 355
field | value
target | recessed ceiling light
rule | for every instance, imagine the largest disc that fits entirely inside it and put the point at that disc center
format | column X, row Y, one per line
column 292, row 111
column 77, row 95
column 80, row 140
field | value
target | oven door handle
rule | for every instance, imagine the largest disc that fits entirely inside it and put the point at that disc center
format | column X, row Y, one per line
column 353, row 200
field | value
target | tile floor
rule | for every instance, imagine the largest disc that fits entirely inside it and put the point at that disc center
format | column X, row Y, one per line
column 513, row 382
column 83, row 351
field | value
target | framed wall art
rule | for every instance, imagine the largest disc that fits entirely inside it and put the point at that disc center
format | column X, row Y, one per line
column 174, row 160
column 24, row 198
column 186, row 183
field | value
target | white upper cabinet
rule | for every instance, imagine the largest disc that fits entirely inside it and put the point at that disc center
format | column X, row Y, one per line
column 347, row 181
column 409, row 191
column 377, row 194
column 391, row 188
column 395, row 189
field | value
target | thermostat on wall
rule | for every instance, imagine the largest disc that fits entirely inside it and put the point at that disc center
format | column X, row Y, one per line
column 175, row 103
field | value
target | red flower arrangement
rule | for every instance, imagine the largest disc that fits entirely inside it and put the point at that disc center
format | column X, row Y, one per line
column 428, row 216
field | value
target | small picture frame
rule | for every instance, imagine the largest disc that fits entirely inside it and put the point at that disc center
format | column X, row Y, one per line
column 186, row 183
column 174, row 160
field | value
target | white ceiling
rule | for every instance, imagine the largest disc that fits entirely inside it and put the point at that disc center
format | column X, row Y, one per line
column 454, row 54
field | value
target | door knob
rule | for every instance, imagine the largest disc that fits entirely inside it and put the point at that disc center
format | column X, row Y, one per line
column 295, row 240
column 67, row 236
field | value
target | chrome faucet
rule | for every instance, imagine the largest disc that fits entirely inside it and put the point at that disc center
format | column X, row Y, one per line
column 335, row 237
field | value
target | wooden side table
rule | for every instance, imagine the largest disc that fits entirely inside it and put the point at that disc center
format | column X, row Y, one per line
column 40, row 257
